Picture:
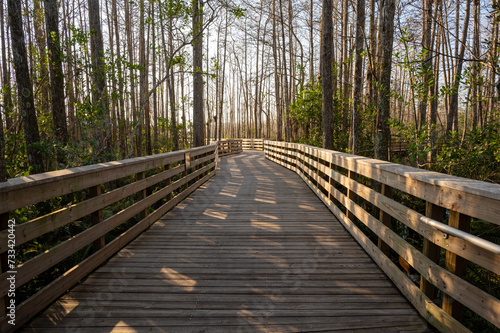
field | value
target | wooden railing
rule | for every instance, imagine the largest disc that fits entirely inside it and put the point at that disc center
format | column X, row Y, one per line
column 345, row 183
column 229, row 147
column 151, row 185
column 253, row 144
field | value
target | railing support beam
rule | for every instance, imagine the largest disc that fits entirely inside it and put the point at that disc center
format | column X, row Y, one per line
column 455, row 264
column 350, row 193
column 97, row 217
column 386, row 219
column 431, row 250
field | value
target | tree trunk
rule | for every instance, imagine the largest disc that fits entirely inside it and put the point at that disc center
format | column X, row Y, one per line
column 198, row 115
column 171, row 87
column 452, row 117
column 128, row 28
column 476, row 72
column 147, row 111
column 494, row 63
column 279, row 121
column 345, row 64
column 56, row 75
column 383, row 134
column 285, row 77
column 121, row 125
column 143, row 91
column 102, row 131
column 221, row 101
column 358, row 76
column 24, row 88
column 155, row 95
column 311, row 42
column 41, row 82
column 372, row 59
column 427, row 63
column 7, row 93
column 326, row 74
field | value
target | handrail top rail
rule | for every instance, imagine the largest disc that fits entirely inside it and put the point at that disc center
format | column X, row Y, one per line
column 446, row 229
column 58, row 175
column 406, row 178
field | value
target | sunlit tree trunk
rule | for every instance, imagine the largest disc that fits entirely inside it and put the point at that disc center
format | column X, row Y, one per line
column 383, row 134
column 452, row 117
column 358, row 76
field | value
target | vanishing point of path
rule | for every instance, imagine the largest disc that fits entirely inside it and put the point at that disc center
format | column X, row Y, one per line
column 252, row 250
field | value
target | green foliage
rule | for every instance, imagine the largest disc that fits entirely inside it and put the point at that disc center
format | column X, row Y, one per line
column 306, row 113
column 237, row 11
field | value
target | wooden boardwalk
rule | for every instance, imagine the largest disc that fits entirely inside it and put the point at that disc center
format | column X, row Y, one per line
column 253, row 250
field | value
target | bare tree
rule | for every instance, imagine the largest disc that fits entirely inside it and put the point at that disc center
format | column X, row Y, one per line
column 326, row 74
column 198, row 114
column 24, row 88
column 358, row 76
column 102, row 132
column 56, row 74
column 452, row 117
column 383, row 134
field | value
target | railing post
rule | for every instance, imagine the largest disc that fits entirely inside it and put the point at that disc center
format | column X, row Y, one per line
column 4, row 224
column 351, row 194
column 142, row 194
column 168, row 181
column 187, row 165
column 96, row 217
column 431, row 250
column 386, row 219
column 455, row 264
column 216, row 152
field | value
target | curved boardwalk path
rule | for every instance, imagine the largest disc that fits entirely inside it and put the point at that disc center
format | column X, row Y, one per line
column 253, row 250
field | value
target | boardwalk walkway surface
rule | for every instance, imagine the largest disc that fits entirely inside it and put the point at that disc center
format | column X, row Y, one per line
column 253, row 250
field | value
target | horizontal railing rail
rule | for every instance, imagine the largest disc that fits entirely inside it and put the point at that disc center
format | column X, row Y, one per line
column 253, row 144
column 107, row 195
column 368, row 192
column 229, row 147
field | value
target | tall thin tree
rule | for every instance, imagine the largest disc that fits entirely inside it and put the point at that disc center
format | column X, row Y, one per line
column 326, row 73
column 56, row 74
column 102, row 131
column 198, row 114
column 358, row 76
column 24, row 88
column 383, row 134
